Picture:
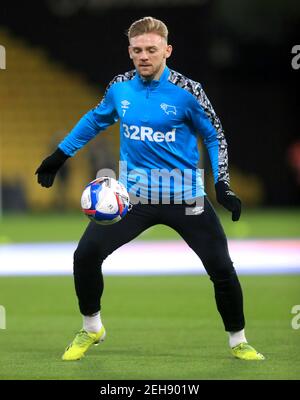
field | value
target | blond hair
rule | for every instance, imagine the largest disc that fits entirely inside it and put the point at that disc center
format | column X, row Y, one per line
column 147, row 25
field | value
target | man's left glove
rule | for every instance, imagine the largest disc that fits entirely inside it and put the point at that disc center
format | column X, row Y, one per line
column 228, row 199
column 48, row 169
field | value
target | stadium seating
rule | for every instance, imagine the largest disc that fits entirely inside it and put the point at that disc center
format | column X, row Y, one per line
column 40, row 101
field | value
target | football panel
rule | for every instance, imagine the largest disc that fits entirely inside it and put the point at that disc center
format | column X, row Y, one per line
column 86, row 201
column 107, row 202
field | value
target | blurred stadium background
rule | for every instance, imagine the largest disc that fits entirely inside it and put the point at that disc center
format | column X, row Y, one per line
column 59, row 56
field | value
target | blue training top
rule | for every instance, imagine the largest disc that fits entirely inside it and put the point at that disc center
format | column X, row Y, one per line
column 159, row 122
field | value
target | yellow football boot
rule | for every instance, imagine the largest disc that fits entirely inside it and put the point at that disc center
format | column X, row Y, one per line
column 83, row 340
column 244, row 351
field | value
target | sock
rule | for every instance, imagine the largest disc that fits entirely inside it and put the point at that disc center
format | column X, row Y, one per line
column 92, row 323
column 236, row 338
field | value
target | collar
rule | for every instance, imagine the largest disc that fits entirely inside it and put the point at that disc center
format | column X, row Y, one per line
column 154, row 82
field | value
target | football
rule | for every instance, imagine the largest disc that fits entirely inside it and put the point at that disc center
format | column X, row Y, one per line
column 105, row 201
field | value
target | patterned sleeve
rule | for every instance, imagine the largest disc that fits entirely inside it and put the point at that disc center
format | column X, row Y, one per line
column 205, row 120
column 223, row 174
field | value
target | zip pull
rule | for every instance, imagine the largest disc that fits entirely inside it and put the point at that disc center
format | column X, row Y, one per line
column 148, row 92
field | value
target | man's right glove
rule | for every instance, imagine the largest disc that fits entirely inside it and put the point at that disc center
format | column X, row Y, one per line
column 228, row 199
column 47, row 170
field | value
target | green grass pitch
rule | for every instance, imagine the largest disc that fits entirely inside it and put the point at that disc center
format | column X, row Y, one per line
column 157, row 328
column 70, row 226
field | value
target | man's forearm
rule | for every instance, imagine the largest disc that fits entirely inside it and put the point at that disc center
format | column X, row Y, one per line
column 80, row 135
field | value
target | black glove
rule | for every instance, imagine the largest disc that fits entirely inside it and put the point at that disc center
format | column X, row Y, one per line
column 228, row 199
column 47, row 170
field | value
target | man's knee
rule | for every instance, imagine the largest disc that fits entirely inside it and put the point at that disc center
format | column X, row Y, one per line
column 224, row 277
column 219, row 268
column 87, row 254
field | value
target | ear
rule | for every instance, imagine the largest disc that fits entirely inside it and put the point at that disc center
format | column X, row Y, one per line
column 129, row 51
column 169, row 50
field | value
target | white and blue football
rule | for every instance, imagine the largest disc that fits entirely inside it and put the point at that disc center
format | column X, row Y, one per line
column 105, row 201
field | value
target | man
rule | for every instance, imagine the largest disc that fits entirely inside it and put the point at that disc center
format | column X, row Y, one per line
column 160, row 113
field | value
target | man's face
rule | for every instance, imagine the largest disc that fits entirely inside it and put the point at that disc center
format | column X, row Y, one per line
column 149, row 53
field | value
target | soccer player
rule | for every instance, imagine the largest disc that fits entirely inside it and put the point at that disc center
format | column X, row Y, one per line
column 161, row 112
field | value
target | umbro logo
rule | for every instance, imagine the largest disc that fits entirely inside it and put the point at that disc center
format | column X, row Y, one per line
column 125, row 106
column 168, row 109
column 197, row 210
column 125, row 103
